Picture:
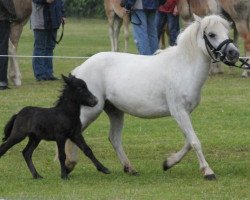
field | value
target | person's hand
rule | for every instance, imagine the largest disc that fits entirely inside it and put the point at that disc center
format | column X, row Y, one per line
column 63, row 20
column 175, row 12
column 125, row 11
column 50, row 1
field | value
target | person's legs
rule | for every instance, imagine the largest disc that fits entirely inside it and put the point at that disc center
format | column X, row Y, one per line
column 160, row 21
column 152, row 32
column 173, row 27
column 50, row 45
column 4, row 35
column 139, row 21
column 40, row 37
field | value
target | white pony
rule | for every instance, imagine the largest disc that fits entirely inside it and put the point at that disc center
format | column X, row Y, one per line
column 166, row 84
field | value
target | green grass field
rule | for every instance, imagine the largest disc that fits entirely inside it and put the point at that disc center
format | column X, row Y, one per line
column 221, row 122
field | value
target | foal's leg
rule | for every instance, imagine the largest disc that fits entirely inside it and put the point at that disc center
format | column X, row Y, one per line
column 27, row 154
column 80, row 142
column 62, row 157
column 183, row 119
column 116, row 118
column 11, row 141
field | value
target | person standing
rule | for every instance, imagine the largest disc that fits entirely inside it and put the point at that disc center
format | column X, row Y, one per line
column 7, row 13
column 143, row 21
column 46, row 18
column 167, row 14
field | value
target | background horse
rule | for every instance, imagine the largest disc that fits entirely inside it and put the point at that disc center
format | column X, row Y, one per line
column 116, row 17
column 157, row 86
column 23, row 10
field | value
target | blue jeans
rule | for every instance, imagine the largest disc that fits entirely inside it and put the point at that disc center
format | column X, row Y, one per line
column 172, row 23
column 44, row 44
column 144, row 30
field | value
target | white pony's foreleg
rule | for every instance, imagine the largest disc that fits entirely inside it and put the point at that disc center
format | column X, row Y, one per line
column 183, row 119
column 177, row 157
column 116, row 118
column 14, row 71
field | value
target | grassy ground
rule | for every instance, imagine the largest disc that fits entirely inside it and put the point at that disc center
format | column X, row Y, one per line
column 221, row 122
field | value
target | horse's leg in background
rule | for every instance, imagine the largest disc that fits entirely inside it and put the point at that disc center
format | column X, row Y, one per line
column 236, row 42
column 183, row 119
column 14, row 70
column 116, row 118
column 111, row 29
column 244, row 32
column 126, row 31
column 117, row 27
column 27, row 154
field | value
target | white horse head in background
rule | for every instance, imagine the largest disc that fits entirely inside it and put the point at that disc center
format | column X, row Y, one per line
column 166, row 84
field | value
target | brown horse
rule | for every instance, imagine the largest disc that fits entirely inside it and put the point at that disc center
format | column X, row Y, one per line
column 116, row 17
column 23, row 11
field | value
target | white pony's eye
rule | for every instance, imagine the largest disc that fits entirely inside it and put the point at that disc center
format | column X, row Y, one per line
column 211, row 35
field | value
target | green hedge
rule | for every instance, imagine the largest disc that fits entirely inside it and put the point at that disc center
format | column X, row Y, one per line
column 84, row 8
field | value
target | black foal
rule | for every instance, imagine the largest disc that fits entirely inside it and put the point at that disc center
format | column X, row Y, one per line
column 58, row 124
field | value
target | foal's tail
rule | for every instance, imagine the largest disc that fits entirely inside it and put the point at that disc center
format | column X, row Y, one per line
column 8, row 127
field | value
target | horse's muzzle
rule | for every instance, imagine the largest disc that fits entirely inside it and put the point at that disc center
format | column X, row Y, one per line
column 232, row 54
column 93, row 102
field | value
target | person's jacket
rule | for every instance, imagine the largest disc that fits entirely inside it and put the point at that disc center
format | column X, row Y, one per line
column 45, row 15
column 142, row 4
column 168, row 7
column 7, row 10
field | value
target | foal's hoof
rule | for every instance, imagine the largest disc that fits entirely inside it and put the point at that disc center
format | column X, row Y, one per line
column 166, row 166
column 65, row 178
column 105, row 170
column 210, row 177
column 37, row 176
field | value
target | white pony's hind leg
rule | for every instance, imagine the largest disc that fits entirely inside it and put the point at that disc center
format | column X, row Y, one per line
column 183, row 119
column 14, row 71
column 116, row 118
column 71, row 151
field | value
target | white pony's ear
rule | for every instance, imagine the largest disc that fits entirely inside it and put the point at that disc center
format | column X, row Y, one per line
column 196, row 18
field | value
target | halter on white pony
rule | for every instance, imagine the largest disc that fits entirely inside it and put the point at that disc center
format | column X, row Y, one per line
column 166, row 84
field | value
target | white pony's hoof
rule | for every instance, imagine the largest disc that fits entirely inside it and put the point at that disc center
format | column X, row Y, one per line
column 210, row 177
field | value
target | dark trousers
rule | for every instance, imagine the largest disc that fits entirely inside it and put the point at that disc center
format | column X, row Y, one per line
column 44, row 44
column 4, row 44
column 172, row 23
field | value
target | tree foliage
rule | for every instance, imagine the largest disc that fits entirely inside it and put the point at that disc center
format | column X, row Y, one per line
column 84, row 8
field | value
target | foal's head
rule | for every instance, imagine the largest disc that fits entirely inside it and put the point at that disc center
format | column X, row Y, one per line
column 77, row 89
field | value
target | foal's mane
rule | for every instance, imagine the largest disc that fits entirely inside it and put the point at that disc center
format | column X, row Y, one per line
column 64, row 94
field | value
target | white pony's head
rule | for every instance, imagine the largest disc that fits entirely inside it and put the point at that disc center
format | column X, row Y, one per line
column 213, row 39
